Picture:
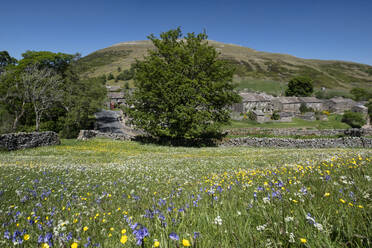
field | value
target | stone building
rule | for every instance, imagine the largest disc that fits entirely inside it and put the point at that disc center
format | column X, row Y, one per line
column 260, row 116
column 312, row 102
column 254, row 101
column 287, row 104
column 339, row 104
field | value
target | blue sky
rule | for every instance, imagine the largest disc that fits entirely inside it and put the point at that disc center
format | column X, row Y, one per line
column 328, row 29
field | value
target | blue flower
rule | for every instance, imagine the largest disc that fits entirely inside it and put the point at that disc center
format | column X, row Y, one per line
column 174, row 236
column 7, row 234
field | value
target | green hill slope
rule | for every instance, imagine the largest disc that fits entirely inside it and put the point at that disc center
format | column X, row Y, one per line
column 252, row 67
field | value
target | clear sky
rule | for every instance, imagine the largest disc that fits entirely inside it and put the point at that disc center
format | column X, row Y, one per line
column 319, row 29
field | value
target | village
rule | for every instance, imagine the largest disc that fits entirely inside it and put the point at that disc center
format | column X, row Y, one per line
column 262, row 107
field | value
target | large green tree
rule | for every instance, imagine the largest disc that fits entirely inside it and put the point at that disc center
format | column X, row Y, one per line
column 300, row 86
column 182, row 90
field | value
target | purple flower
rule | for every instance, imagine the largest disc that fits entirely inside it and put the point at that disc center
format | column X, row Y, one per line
column 196, row 235
column 174, row 236
column 7, row 234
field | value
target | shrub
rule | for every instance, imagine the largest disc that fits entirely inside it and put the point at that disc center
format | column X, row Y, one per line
column 251, row 116
column 353, row 119
column 275, row 116
column 300, row 86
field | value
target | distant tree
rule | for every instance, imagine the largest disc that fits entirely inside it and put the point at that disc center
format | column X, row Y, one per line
column 353, row 119
column 299, row 86
column 110, row 77
column 119, row 69
column 360, row 94
column 182, row 90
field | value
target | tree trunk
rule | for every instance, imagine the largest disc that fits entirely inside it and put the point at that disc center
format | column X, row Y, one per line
column 17, row 117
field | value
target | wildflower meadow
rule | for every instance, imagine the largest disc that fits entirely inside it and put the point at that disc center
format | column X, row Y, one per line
column 103, row 193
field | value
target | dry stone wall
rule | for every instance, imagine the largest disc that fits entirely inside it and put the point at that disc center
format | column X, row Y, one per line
column 302, row 132
column 15, row 141
column 349, row 142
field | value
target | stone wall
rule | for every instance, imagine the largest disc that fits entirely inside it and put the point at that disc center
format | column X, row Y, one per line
column 15, row 141
column 302, row 132
column 350, row 142
column 89, row 134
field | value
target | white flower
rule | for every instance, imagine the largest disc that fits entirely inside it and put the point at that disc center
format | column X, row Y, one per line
column 261, row 228
column 266, row 200
column 319, row 226
column 218, row 220
column 239, row 213
column 291, row 238
column 368, row 178
column 288, row 219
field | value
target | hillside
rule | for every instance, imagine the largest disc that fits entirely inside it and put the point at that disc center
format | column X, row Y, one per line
column 252, row 67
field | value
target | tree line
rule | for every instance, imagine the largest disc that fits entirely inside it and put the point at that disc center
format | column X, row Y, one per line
column 44, row 91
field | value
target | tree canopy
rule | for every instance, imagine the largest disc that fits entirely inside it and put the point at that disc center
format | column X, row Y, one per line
column 43, row 91
column 300, row 86
column 182, row 90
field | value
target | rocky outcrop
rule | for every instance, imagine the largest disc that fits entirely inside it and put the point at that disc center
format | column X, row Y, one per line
column 349, row 142
column 15, row 141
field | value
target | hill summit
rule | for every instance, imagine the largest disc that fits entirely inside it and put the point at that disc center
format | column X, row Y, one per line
column 249, row 64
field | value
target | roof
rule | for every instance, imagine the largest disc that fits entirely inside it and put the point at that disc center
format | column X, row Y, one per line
column 113, row 88
column 285, row 114
column 258, row 112
column 358, row 106
column 254, row 97
column 310, row 99
column 115, row 95
column 288, row 100
column 341, row 100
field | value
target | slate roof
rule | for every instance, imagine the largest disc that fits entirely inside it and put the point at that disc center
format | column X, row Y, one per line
column 288, row 100
column 254, row 97
column 115, row 95
column 310, row 99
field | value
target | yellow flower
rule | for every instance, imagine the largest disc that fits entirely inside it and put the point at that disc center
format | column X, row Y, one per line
column 327, row 194
column 350, row 204
column 85, row 228
column 124, row 239
column 45, row 245
column 156, row 243
column 74, row 245
column 360, row 206
column 303, row 240
column 123, row 231
column 295, row 201
column 26, row 237
column 112, row 229
column 109, row 234
column 185, row 242
column 104, row 220
column 75, row 220
column 342, row 200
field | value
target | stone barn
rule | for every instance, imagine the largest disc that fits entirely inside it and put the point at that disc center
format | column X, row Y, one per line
column 287, row 104
column 116, row 98
column 254, row 101
column 312, row 102
column 339, row 104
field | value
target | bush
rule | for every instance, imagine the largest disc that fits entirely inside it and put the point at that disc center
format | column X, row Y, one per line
column 304, row 109
column 275, row 116
column 251, row 116
column 353, row 119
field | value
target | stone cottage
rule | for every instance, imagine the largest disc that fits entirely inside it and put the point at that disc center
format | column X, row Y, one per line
column 287, row 104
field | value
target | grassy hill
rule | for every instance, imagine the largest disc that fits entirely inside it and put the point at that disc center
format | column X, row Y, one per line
column 255, row 70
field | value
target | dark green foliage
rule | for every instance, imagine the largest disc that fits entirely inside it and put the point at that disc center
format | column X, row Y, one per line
column 182, row 90
column 299, row 86
column 251, row 116
column 5, row 60
column 110, row 76
column 360, row 94
column 275, row 116
column 353, row 119
column 119, row 69
column 79, row 98
column 126, row 74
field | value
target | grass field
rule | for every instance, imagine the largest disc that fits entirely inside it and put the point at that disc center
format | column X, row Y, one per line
column 103, row 193
column 334, row 122
column 258, row 85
